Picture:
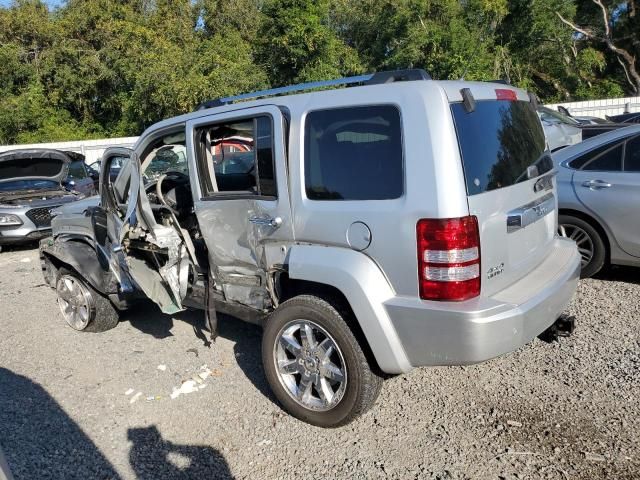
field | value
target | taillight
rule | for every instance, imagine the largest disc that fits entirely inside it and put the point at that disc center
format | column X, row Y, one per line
column 449, row 258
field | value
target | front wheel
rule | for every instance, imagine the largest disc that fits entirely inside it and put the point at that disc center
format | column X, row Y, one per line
column 315, row 365
column 83, row 308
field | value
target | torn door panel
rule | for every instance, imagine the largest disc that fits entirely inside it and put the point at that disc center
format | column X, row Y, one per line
column 157, row 257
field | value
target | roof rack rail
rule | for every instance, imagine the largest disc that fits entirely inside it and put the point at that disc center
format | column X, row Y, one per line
column 368, row 79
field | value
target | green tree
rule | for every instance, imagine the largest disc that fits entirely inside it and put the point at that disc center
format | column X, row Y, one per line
column 297, row 43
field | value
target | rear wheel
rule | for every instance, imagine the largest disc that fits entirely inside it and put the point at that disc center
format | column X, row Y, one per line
column 592, row 249
column 83, row 308
column 315, row 365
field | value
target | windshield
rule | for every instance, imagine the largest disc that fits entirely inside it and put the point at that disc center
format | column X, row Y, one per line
column 170, row 158
column 501, row 142
column 15, row 185
column 551, row 116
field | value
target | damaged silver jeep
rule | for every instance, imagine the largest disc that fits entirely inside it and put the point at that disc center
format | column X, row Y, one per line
column 349, row 222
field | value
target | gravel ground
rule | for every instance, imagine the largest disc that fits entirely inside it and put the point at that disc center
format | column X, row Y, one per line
column 69, row 403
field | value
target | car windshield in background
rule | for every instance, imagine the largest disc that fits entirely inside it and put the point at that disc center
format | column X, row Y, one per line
column 27, row 185
column 501, row 143
column 551, row 116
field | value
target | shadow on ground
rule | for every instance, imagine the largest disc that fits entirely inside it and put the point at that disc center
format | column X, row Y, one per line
column 19, row 247
column 41, row 441
column 247, row 338
column 152, row 457
column 620, row 273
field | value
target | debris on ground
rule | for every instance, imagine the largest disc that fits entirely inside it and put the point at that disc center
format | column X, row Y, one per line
column 188, row 386
column 129, row 392
column 514, row 423
column 594, row 457
column 135, row 397
column 162, row 368
column 193, row 384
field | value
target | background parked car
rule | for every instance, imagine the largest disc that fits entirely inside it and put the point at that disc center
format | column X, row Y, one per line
column 593, row 126
column 625, row 118
column 32, row 183
column 559, row 130
column 583, row 120
column 599, row 198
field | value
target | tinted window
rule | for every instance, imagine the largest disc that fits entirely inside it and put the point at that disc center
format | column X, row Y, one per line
column 353, row 154
column 77, row 171
column 240, row 155
column 501, row 142
column 632, row 155
column 605, row 158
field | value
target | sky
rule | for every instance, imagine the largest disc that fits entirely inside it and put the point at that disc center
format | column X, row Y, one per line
column 51, row 3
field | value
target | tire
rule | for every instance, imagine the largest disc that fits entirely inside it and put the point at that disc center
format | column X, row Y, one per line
column 345, row 400
column 82, row 306
column 590, row 243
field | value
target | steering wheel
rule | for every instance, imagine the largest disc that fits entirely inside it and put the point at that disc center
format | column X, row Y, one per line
column 169, row 200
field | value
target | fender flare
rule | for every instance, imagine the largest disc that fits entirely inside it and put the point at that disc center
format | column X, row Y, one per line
column 364, row 286
column 82, row 257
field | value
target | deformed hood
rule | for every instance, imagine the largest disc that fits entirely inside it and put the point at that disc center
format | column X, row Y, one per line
column 35, row 164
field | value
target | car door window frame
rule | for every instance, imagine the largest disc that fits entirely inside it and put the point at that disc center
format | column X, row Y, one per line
column 612, row 146
column 208, row 186
column 107, row 195
column 624, row 154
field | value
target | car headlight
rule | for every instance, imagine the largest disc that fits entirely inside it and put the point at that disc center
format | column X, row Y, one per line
column 9, row 220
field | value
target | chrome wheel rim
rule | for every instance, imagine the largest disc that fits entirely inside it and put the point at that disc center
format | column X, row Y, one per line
column 583, row 241
column 74, row 301
column 310, row 365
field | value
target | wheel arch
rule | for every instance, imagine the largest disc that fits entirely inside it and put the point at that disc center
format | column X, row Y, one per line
column 355, row 279
column 79, row 255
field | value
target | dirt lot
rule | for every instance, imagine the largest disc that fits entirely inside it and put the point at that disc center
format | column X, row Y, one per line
column 69, row 403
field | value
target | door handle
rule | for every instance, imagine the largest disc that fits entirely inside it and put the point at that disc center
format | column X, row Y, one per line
column 596, row 184
column 274, row 222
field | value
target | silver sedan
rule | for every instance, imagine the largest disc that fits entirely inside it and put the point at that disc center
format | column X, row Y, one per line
column 599, row 198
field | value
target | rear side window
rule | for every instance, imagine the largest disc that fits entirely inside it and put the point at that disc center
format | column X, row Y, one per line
column 607, row 158
column 354, row 154
column 632, row 155
column 501, row 142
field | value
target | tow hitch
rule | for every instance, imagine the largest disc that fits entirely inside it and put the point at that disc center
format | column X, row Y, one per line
column 562, row 327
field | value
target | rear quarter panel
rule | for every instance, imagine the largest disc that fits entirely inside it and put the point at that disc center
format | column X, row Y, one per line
column 434, row 182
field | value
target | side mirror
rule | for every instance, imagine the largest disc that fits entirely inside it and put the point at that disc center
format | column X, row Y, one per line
column 70, row 183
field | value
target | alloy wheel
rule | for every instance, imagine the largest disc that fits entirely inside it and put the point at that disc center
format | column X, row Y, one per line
column 74, row 301
column 583, row 241
column 310, row 365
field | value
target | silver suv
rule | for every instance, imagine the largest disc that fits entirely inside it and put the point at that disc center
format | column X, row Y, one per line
column 396, row 223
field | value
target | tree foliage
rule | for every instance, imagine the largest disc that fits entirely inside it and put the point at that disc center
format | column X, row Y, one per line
column 93, row 68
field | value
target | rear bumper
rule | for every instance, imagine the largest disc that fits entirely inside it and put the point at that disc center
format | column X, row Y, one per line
column 447, row 333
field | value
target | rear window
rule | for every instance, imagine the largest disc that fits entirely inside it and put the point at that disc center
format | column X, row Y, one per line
column 354, row 154
column 607, row 158
column 501, row 143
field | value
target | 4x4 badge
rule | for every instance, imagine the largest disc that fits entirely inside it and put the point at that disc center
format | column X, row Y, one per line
column 495, row 271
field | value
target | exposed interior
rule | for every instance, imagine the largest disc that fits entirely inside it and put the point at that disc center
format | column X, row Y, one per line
column 165, row 250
